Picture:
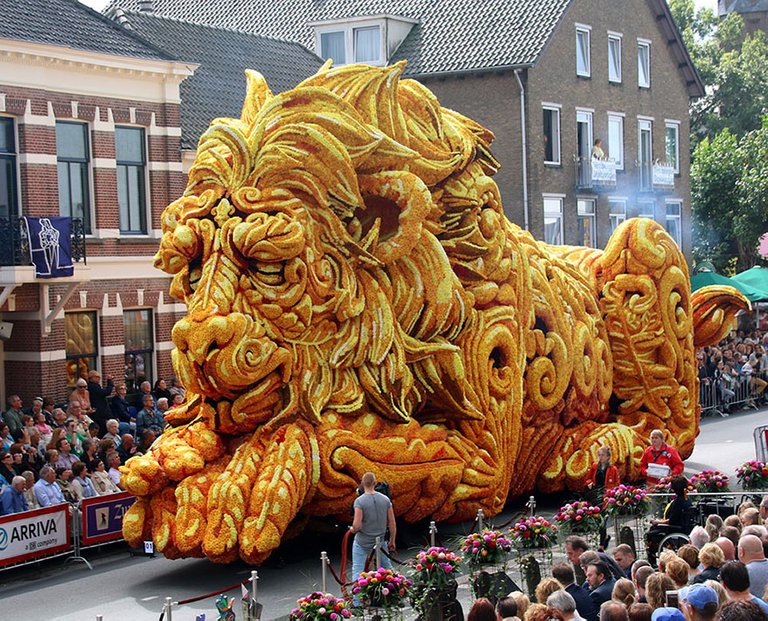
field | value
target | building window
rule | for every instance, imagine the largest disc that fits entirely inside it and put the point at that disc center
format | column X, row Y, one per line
column 584, row 133
column 551, row 135
column 333, row 46
column 672, row 224
column 614, row 58
column 131, row 184
column 617, row 212
column 81, row 344
column 553, row 220
column 585, row 211
column 583, row 66
column 672, row 144
column 616, row 140
column 645, row 152
column 362, row 45
column 139, row 348
column 646, row 209
column 367, row 42
column 644, row 64
column 8, row 191
column 72, row 157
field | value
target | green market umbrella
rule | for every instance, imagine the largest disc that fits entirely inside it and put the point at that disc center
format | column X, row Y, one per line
column 704, row 279
column 755, row 277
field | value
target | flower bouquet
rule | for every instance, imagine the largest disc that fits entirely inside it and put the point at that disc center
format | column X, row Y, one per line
column 434, row 581
column 626, row 500
column 664, row 486
column 488, row 547
column 579, row 517
column 319, row 606
column 381, row 588
column 534, row 532
column 710, row 481
column 753, row 475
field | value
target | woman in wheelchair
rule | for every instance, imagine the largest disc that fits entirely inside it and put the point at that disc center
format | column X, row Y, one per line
column 677, row 518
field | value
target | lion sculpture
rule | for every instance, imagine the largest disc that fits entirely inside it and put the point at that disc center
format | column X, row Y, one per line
column 357, row 301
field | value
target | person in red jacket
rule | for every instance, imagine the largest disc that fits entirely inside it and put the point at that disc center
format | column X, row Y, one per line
column 602, row 476
column 660, row 453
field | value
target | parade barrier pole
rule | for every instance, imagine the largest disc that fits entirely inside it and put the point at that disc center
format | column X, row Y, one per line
column 479, row 520
column 168, row 607
column 99, row 617
column 76, row 540
column 378, row 552
column 324, row 561
column 531, row 504
column 255, row 608
column 432, row 533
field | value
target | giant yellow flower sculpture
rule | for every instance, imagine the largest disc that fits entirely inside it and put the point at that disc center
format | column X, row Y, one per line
column 358, row 301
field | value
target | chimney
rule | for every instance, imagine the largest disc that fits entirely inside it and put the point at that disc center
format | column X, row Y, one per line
column 146, row 6
column 121, row 18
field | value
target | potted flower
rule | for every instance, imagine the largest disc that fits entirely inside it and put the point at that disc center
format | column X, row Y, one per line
column 534, row 532
column 579, row 517
column 710, row 481
column 486, row 548
column 434, row 582
column 753, row 475
column 319, row 606
column 381, row 588
column 626, row 500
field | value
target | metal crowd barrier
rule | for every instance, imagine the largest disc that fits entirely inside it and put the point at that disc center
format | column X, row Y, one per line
column 716, row 397
column 62, row 530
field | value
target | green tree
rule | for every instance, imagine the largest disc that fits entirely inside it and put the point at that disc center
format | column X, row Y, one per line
column 729, row 190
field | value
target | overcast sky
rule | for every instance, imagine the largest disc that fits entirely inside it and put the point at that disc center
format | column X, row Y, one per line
column 100, row 4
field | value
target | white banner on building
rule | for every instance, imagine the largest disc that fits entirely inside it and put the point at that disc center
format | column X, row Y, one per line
column 31, row 534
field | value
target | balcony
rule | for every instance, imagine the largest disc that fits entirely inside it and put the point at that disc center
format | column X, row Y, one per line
column 593, row 174
column 14, row 242
column 656, row 176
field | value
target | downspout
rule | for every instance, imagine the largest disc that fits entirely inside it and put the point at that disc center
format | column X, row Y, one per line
column 524, row 136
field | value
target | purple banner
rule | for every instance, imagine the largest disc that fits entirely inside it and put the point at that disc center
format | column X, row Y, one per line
column 103, row 517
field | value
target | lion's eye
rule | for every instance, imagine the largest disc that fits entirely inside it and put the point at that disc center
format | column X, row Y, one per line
column 195, row 273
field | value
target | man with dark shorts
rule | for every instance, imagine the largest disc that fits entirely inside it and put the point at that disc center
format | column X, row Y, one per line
column 373, row 515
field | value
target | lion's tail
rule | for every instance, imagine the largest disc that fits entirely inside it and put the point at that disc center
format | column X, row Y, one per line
column 714, row 312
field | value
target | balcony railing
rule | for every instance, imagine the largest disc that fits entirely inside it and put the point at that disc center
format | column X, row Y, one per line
column 14, row 242
column 594, row 174
column 655, row 176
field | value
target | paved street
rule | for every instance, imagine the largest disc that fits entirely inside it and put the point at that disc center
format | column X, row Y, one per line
column 125, row 588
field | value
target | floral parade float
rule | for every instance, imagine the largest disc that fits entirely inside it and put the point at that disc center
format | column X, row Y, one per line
column 358, row 301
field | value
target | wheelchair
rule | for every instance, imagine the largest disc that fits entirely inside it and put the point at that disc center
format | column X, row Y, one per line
column 676, row 537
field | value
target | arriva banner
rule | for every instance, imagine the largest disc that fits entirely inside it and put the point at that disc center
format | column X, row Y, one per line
column 32, row 534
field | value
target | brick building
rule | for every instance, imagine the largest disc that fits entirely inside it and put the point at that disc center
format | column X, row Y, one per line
column 91, row 127
column 754, row 13
column 562, row 71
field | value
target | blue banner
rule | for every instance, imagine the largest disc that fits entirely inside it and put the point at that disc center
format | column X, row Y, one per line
column 50, row 246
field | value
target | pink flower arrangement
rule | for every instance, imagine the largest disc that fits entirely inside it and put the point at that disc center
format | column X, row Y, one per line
column 626, row 500
column 664, row 486
column 489, row 546
column 753, row 475
column 319, row 606
column 435, row 567
column 382, row 588
column 579, row 517
column 534, row 532
column 710, row 481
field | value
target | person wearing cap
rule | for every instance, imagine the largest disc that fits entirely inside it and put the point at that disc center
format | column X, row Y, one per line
column 667, row 614
column 735, row 578
column 699, row 602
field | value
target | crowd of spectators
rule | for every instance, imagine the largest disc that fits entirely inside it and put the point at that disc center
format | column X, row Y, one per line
column 735, row 371
column 721, row 575
column 54, row 453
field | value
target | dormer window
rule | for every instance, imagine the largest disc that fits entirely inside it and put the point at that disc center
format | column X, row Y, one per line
column 369, row 40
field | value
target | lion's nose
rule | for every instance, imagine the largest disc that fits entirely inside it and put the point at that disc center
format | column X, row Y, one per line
column 199, row 334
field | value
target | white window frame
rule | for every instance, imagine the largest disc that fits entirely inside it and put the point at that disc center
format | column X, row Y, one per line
column 678, row 218
column 645, row 124
column 560, row 198
column 617, row 216
column 349, row 28
column 557, row 109
column 671, row 124
column 589, row 217
column 644, row 44
column 586, row 115
column 640, row 214
column 585, row 31
column 616, row 152
column 614, row 37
